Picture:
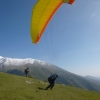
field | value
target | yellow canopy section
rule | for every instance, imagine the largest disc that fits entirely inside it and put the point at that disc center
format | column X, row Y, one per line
column 41, row 15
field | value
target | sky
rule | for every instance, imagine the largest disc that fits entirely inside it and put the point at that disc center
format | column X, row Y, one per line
column 70, row 41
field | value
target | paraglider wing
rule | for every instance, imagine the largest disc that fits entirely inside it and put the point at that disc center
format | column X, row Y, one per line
column 41, row 14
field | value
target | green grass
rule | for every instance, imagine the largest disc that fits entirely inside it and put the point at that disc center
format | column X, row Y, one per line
column 14, row 87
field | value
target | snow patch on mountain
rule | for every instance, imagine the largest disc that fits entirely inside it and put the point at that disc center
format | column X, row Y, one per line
column 2, row 60
column 19, row 62
column 1, row 57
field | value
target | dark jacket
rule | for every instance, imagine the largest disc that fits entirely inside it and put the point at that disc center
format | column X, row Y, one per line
column 26, row 71
column 52, row 78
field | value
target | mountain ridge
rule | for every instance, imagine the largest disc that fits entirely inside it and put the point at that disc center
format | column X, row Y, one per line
column 42, row 70
column 17, row 60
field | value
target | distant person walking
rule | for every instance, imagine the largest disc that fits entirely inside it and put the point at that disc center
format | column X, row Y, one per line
column 26, row 71
column 51, row 80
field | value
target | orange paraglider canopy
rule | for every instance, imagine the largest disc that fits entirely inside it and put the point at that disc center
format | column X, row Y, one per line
column 41, row 14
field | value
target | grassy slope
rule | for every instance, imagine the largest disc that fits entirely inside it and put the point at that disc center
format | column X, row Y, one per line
column 14, row 87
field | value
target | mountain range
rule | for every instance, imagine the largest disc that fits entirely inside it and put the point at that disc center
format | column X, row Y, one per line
column 42, row 70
